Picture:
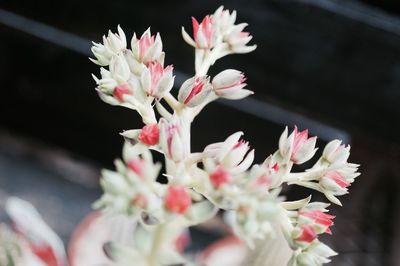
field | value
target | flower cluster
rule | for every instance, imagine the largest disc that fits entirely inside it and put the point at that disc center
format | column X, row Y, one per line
column 222, row 176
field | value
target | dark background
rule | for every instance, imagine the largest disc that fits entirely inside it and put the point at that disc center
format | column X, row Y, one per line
column 332, row 66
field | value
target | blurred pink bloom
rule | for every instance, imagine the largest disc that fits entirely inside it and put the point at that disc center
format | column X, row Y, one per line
column 177, row 199
column 220, row 177
column 149, row 134
column 308, row 234
column 121, row 90
column 203, row 32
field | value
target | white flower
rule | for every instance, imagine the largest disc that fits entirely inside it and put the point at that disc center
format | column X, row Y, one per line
column 336, row 152
column 223, row 20
column 232, row 154
column 148, row 48
column 112, row 45
column 298, row 147
column 229, row 84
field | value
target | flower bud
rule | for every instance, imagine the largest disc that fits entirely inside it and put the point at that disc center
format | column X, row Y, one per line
column 194, row 91
column 334, row 182
column 177, row 199
column 307, row 234
column 121, row 90
column 171, row 141
column 229, row 84
column 238, row 40
column 119, row 68
column 149, row 134
column 148, row 48
column 112, row 45
column 298, row 146
column 336, row 152
column 157, row 80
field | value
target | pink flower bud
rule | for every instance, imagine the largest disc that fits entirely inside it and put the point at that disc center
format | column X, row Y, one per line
column 171, row 140
column 121, row 90
column 220, row 177
column 194, row 91
column 137, row 166
column 321, row 219
column 303, row 147
column 307, row 235
column 149, row 134
column 177, row 199
column 203, row 33
column 157, row 80
column 298, row 147
column 335, row 182
column 229, row 84
column 148, row 48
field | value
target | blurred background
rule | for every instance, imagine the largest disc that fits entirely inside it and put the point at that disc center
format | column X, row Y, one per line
column 332, row 66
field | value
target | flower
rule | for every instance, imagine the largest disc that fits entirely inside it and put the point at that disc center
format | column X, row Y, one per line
column 119, row 69
column 232, row 154
column 336, row 152
column 203, row 32
column 238, row 39
column 171, row 140
column 194, row 91
column 148, row 48
column 220, row 177
column 316, row 254
column 137, row 165
column 157, row 80
column 229, row 84
column 112, row 45
column 307, row 234
column 298, row 147
column 177, row 199
column 149, row 134
column 121, row 90
column 315, row 214
column 335, row 182
column 265, row 176
column 223, row 20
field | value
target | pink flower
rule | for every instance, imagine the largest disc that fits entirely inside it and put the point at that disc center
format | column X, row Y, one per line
column 220, row 177
column 203, row 32
column 137, row 166
column 321, row 219
column 177, row 199
column 157, row 80
column 334, row 182
column 298, row 146
column 232, row 154
column 307, row 234
column 149, row 134
column 229, row 84
column 194, row 91
column 303, row 146
column 121, row 90
column 148, row 48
